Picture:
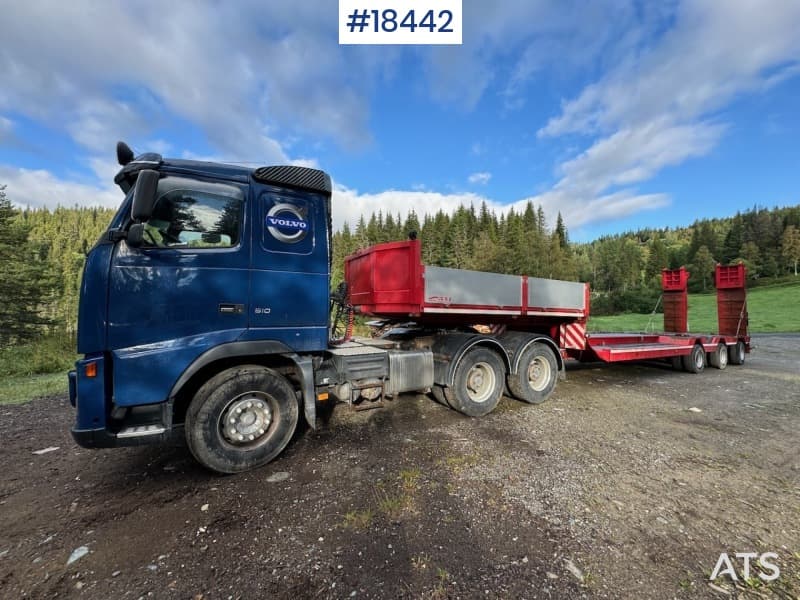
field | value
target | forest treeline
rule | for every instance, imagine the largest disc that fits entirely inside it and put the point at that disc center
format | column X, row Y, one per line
column 624, row 270
column 42, row 254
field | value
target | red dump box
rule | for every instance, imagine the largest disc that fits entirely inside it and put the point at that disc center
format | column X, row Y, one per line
column 389, row 280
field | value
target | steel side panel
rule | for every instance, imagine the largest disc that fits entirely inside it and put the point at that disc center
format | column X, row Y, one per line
column 553, row 293
column 455, row 286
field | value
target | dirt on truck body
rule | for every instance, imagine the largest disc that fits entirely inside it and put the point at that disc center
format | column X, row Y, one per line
column 630, row 482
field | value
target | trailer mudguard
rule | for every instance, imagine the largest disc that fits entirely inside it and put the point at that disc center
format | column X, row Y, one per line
column 450, row 348
column 516, row 342
column 257, row 348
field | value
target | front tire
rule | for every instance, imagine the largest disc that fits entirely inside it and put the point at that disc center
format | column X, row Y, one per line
column 477, row 384
column 241, row 418
column 536, row 377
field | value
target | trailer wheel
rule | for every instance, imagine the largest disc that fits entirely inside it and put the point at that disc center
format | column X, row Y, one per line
column 478, row 383
column 736, row 354
column 719, row 358
column 536, row 377
column 241, row 418
column 695, row 361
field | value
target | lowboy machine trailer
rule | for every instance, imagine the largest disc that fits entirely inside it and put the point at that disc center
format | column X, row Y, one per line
column 206, row 308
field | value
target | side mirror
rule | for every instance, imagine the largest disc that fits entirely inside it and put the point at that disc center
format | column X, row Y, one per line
column 144, row 196
column 135, row 235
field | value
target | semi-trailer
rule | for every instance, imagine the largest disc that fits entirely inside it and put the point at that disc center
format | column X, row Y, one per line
column 205, row 308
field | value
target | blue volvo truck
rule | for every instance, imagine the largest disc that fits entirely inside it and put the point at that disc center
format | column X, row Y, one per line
column 205, row 309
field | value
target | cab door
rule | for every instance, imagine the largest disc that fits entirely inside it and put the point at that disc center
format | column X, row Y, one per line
column 183, row 291
column 290, row 281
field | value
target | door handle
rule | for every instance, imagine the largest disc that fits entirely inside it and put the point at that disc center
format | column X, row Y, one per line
column 231, row 309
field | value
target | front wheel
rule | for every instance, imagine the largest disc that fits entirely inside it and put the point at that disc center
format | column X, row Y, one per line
column 536, row 377
column 241, row 418
column 477, row 384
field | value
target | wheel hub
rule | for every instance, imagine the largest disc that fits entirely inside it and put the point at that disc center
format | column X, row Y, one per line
column 246, row 419
column 538, row 373
column 480, row 382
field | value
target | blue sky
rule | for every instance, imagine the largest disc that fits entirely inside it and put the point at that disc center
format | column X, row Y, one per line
column 619, row 114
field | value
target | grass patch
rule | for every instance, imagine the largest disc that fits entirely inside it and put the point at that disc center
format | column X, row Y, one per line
column 771, row 310
column 410, row 480
column 358, row 519
column 15, row 390
column 36, row 369
column 392, row 506
column 52, row 354
column 459, row 463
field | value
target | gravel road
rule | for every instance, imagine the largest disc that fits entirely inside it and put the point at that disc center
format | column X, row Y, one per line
column 628, row 483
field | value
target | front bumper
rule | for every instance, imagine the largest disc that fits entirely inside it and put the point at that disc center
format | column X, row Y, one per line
column 94, row 425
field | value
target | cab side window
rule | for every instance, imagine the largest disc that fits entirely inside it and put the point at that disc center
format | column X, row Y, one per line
column 194, row 217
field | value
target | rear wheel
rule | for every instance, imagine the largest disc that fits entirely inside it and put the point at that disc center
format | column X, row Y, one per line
column 477, row 384
column 437, row 392
column 695, row 361
column 719, row 358
column 241, row 418
column 736, row 354
column 536, row 376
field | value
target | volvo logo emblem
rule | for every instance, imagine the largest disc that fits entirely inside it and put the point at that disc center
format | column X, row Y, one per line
column 286, row 223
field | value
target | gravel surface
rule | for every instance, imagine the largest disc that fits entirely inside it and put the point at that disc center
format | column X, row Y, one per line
column 628, row 483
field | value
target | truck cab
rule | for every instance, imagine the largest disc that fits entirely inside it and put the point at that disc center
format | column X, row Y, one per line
column 203, row 264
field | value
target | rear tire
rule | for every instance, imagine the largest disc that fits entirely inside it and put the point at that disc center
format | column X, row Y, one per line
column 477, row 384
column 695, row 361
column 719, row 358
column 736, row 353
column 536, row 376
column 241, row 418
column 437, row 392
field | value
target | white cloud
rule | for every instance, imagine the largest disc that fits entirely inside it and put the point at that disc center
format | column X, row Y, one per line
column 6, row 128
column 246, row 74
column 37, row 188
column 657, row 108
column 349, row 204
column 481, row 178
column 714, row 52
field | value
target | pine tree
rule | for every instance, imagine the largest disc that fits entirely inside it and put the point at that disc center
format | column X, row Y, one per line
column 704, row 264
column 25, row 282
